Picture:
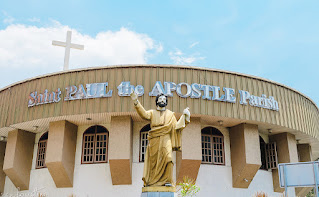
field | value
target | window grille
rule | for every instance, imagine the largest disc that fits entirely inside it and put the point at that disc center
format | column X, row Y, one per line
column 88, row 148
column 94, row 147
column 271, row 155
column 42, row 146
column 218, row 148
column 143, row 141
column 100, row 150
column 206, row 148
column 212, row 146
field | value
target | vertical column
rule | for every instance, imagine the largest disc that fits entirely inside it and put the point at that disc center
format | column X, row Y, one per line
column 245, row 154
column 189, row 159
column 304, row 153
column 287, row 153
column 2, row 174
column 60, row 153
column 18, row 157
column 120, row 150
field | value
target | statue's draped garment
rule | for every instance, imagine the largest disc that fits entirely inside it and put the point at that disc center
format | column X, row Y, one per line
column 164, row 137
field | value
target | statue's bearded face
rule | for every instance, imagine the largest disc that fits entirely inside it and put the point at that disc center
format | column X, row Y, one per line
column 162, row 101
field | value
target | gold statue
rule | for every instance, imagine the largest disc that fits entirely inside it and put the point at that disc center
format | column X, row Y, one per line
column 163, row 138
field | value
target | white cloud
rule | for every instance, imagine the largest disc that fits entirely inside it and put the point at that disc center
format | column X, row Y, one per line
column 7, row 18
column 179, row 57
column 193, row 44
column 27, row 51
column 34, row 19
column 30, row 47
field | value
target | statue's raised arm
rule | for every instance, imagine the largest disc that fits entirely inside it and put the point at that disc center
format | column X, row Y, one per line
column 139, row 108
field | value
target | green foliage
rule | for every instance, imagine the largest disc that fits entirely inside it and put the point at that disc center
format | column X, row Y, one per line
column 311, row 193
column 188, row 187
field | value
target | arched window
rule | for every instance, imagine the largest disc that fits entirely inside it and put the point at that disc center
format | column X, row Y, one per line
column 143, row 141
column 262, row 153
column 212, row 146
column 42, row 147
column 95, row 145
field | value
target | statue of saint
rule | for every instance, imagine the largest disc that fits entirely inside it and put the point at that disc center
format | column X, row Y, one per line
column 163, row 138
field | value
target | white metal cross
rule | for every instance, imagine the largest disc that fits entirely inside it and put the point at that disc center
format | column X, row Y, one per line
column 68, row 45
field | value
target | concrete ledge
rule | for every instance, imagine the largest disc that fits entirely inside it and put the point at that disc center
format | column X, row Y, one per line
column 60, row 153
column 245, row 154
column 287, row 153
column 18, row 157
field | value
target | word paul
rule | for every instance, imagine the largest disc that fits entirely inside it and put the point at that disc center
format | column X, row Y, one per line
column 184, row 90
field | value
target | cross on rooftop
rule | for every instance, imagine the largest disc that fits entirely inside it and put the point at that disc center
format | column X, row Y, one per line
column 68, row 45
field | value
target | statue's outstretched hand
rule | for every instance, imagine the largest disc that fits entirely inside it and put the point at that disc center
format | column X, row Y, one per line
column 187, row 112
column 133, row 96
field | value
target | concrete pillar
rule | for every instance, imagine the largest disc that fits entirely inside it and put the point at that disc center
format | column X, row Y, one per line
column 189, row 159
column 60, row 153
column 18, row 157
column 120, row 150
column 287, row 153
column 2, row 174
column 245, row 154
column 304, row 152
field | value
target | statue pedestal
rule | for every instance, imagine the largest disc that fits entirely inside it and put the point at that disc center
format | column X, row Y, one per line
column 157, row 194
column 158, row 191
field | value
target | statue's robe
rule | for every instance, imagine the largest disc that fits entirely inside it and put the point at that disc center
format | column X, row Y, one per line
column 165, row 135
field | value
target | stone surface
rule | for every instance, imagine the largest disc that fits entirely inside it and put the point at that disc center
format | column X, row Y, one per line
column 2, row 174
column 18, row 157
column 304, row 153
column 287, row 153
column 245, row 154
column 157, row 194
column 120, row 150
column 189, row 159
column 60, row 153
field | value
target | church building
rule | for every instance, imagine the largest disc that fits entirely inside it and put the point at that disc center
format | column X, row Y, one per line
column 76, row 132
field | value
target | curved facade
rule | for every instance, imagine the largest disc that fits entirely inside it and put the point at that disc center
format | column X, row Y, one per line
column 238, row 105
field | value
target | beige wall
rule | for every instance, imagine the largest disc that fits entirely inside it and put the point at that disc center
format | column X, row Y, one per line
column 287, row 153
column 18, row 158
column 215, row 179
column 120, row 154
column 2, row 174
column 292, row 114
column 304, row 154
column 60, row 153
column 245, row 154
column 189, row 159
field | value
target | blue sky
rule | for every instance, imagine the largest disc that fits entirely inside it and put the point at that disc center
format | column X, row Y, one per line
column 277, row 40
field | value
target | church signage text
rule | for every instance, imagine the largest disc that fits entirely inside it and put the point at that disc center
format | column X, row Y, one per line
column 184, row 90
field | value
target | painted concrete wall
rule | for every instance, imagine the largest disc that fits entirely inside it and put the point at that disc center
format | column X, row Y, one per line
column 94, row 180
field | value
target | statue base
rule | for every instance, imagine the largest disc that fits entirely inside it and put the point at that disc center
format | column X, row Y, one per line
column 158, row 191
column 157, row 194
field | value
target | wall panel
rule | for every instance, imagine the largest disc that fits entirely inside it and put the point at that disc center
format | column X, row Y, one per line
column 297, row 112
